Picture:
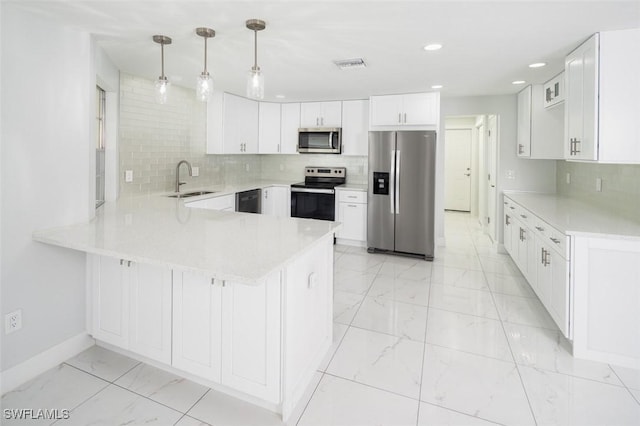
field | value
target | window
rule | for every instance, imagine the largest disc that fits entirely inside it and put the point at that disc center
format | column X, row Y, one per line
column 100, row 145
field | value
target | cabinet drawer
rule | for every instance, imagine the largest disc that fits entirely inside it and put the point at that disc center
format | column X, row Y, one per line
column 352, row 196
column 558, row 240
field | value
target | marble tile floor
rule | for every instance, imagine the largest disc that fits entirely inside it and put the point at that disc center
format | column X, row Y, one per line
column 458, row 341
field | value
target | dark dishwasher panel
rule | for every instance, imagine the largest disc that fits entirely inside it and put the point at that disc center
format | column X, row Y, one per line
column 249, row 201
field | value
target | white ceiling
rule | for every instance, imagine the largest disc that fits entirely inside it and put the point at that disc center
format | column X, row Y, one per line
column 486, row 44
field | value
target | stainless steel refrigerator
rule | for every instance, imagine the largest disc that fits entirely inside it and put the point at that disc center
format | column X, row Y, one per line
column 402, row 192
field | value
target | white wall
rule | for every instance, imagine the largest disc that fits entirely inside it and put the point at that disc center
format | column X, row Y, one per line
column 46, row 143
column 529, row 175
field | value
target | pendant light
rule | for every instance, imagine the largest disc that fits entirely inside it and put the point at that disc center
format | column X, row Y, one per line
column 255, row 80
column 162, row 84
column 204, row 85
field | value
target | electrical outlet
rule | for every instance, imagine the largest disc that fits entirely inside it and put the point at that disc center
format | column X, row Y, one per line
column 128, row 176
column 246, row 167
column 195, row 171
column 511, row 174
column 568, row 178
column 598, row 184
column 13, row 321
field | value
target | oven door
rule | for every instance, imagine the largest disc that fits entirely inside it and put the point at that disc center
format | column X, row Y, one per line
column 313, row 203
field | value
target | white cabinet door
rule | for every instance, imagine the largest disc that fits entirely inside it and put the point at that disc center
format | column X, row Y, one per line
column 354, row 221
column 581, row 104
column 240, row 126
column 289, row 125
column 251, row 338
column 355, row 127
column 276, row 201
column 110, row 292
column 150, row 314
column 197, row 328
column 269, row 128
column 420, row 109
column 417, row 109
column 321, row 114
column 523, row 137
column 132, row 306
column 386, row 110
column 559, row 295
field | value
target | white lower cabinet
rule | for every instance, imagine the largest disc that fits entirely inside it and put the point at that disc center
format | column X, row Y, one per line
column 276, row 201
column 197, row 325
column 251, row 338
column 222, row 202
column 132, row 306
column 351, row 211
column 539, row 251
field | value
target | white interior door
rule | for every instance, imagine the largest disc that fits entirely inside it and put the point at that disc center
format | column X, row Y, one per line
column 457, row 177
column 492, row 139
column 483, row 182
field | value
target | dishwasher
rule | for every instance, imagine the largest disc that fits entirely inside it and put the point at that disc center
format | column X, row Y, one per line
column 249, row 201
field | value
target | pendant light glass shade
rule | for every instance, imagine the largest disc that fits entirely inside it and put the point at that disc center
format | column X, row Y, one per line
column 255, row 79
column 162, row 90
column 255, row 84
column 162, row 84
column 204, row 83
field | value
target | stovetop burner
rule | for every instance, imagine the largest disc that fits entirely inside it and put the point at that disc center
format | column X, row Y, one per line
column 322, row 177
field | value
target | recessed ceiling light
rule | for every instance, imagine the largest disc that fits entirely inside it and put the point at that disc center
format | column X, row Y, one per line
column 437, row 86
column 538, row 65
column 434, row 46
column 518, row 82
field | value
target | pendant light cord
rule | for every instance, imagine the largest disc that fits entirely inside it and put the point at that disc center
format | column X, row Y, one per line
column 255, row 49
column 205, row 56
column 162, row 60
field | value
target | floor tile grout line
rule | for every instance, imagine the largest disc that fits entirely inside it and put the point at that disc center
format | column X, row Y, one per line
column 424, row 346
column 311, row 396
column 186, row 413
column 371, row 386
column 463, row 413
column 524, row 388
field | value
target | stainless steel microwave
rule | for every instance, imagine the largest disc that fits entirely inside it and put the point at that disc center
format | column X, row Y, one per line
column 321, row 140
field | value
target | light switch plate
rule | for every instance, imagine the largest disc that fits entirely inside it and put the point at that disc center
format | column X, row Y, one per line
column 128, row 176
column 598, row 184
column 568, row 178
column 195, row 171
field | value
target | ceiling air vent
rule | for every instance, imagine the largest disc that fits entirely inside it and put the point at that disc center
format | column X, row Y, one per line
column 350, row 64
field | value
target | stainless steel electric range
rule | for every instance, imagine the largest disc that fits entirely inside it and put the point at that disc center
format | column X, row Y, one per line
column 315, row 197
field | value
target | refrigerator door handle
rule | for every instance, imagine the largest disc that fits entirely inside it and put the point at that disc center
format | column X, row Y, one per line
column 392, row 181
column 397, row 182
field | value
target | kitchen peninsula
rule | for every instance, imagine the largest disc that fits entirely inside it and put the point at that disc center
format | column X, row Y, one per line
column 239, row 302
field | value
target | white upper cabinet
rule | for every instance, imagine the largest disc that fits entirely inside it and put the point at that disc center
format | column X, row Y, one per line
column 269, row 128
column 289, row 125
column 355, row 127
column 601, row 105
column 418, row 110
column 524, row 123
column 321, row 114
column 232, row 125
column 554, row 91
column 540, row 131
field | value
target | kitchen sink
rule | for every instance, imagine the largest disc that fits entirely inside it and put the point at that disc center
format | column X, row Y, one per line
column 190, row 194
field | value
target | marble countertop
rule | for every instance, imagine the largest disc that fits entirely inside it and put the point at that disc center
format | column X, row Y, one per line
column 352, row 187
column 158, row 230
column 574, row 217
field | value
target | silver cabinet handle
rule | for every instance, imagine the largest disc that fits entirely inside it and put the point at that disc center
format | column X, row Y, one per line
column 405, row 118
column 555, row 240
column 317, row 121
column 547, row 259
column 520, row 149
column 399, row 118
column 512, row 208
column 351, row 196
column 351, row 205
column 213, row 281
column 524, row 216
column 322, row 121
column 278, row 147
column 542, row 256
column 539, row 229
column 506, row 220
column 467, row 174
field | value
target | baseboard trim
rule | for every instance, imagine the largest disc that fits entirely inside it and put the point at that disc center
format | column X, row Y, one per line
column 15, row 376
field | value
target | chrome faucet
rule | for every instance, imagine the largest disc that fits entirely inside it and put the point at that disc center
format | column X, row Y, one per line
column 178, row 183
